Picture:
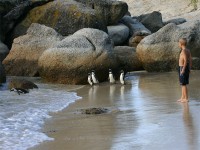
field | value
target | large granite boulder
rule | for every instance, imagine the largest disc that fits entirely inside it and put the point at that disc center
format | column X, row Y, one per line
column 118, row 33
column 127, row 58
column 74, row 57
column 21, row 83
column 13, row 11
column 160, row 51
column 2, row 36
column 2, row 74
column 3, row 51
column 110, row 11
column 152, row 21
column 26, row 50
column 135, row 26
column 191, row 30
column 65, row 16
column 195, row 63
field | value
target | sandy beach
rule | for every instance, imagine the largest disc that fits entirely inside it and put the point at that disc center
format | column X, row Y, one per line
column 144, row 115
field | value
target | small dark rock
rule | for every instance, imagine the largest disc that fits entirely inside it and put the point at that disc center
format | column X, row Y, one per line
column 91, row 111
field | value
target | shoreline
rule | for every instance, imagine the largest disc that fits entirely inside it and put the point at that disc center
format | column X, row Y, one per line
column 73, row 115
column 137, row 113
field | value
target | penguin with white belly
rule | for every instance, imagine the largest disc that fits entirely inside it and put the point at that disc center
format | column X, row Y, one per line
column 94, row 78
column 90, row 79
column 19, row 91
column 122, row 76
column 111, row 77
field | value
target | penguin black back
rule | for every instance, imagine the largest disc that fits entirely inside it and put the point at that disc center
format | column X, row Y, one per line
column 19, row 90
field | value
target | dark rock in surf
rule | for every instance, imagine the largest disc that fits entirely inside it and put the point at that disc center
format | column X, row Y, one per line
column 22, row 84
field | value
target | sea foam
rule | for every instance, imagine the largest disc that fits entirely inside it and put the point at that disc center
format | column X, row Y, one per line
column 22, row 116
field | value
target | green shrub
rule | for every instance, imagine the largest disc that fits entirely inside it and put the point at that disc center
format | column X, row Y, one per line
column 194, row 3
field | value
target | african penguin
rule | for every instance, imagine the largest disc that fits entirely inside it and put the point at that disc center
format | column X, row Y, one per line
column 94, row 78
column 122, row 77
column 111, row 77
column 90, row 79
column 19, row 90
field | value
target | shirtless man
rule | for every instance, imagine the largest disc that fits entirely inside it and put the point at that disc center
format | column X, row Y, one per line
column 185, row 63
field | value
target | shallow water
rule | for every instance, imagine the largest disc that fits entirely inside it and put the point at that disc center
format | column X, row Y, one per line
column 144, row 116
column 22, row 116
column 158, row 121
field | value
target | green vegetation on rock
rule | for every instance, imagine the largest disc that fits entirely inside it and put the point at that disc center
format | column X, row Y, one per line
column 194, row 3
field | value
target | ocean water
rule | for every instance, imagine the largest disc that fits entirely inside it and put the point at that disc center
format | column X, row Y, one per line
column 145, row 115
column 22, row 116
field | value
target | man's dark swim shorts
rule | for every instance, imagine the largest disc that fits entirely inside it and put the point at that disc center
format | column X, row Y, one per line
column 184, row 78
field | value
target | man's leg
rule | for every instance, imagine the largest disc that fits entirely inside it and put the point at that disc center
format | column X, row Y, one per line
column 184, row 94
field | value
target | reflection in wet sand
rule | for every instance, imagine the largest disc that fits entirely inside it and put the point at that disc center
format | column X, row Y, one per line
column 92, row 92
column 190, row 128
column 122, row 90
column 148, row 116
column 112, row 93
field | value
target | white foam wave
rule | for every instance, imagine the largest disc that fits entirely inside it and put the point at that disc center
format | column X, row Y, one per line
column 22, row 116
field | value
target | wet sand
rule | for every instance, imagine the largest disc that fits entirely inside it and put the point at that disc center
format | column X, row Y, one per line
column 144, row 116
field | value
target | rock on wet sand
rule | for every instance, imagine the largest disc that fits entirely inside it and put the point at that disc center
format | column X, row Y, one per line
column 92, row 111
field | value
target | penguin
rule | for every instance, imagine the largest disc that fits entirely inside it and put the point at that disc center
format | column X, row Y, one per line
column 122, row 77
column 19, row 90
column 94, row 78
column 90, row 79
column 111, row 77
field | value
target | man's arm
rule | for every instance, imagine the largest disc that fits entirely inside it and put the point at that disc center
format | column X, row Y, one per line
column 184, row 61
